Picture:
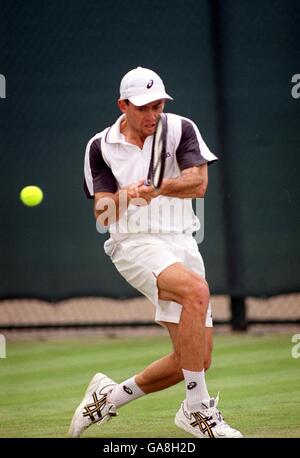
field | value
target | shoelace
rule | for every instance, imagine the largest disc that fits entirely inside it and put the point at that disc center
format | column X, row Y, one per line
column 220, row 424
column 212, row 413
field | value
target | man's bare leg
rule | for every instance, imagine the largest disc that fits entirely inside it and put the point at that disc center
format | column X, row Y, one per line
column 166, row 372
column 181, row 285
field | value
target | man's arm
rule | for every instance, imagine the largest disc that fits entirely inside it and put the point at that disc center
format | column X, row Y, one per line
column 192, row 183
column 109, row 207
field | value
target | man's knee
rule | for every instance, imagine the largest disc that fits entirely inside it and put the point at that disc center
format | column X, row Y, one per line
column 197, row 296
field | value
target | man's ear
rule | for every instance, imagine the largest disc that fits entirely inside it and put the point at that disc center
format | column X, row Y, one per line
column 122, row 105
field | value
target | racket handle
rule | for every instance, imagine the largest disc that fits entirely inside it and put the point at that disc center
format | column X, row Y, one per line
column 147, row 182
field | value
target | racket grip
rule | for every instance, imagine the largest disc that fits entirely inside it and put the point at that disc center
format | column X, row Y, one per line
column 147, row 182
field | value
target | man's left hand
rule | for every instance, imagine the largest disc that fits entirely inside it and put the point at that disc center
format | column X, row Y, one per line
column 148, row 191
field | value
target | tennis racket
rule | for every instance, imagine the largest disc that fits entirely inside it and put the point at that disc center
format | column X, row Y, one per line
column 158, row 154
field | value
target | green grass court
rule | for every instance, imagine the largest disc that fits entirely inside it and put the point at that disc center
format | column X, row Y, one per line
column 42, row 382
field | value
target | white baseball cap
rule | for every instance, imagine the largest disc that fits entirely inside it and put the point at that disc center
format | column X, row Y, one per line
column 141, row 86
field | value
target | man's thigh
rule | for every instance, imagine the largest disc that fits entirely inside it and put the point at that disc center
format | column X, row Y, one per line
column 159, row 272
column 175, row 282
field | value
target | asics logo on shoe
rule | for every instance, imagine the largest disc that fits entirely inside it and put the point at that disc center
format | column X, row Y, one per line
column 204, row 424
column 94, row 408
column 191, row 385
column 127, row 389
column 150, row 84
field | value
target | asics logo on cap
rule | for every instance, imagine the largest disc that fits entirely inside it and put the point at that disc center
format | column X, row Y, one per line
column 191, row 385
column 150, row 84
column 128, row 390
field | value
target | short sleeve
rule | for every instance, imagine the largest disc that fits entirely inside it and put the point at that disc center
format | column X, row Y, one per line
column 98, row 176
column 192, row 151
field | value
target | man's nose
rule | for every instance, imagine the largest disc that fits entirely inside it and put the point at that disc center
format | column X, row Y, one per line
column 152, row 115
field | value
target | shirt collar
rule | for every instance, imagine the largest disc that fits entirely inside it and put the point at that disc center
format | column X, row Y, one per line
column 114, row 135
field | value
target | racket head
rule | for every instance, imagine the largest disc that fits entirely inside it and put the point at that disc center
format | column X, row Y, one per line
column 158, row 153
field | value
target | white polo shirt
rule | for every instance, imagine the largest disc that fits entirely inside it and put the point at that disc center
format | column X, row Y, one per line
column 111, row 164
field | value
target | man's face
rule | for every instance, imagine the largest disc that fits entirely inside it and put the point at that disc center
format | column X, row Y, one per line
column 142, row 120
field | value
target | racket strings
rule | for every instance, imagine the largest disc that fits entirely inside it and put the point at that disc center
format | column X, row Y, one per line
column 156, row 168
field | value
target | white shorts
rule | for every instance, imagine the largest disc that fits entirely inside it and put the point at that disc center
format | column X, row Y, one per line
column 140, row 258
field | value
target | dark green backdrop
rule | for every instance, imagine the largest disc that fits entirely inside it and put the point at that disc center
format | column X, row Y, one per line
column 229, row 65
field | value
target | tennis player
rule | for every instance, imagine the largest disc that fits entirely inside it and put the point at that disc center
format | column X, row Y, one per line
column 152, row 246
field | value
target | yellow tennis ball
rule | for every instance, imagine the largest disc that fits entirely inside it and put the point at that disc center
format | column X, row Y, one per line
column 31, row 196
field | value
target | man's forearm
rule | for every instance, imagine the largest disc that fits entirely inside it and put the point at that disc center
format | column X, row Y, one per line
column 184, row 186
column 110, row 208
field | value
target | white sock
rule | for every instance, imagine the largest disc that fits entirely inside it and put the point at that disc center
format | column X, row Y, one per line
column 125, row 392
column 196, row 390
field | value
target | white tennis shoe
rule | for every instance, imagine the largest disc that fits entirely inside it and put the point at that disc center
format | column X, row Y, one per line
column 94, row 407
column 206, row 423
